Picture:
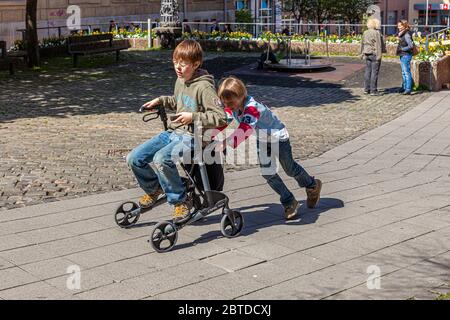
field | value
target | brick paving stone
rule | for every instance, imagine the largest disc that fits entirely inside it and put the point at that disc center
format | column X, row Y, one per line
column 34, row 291
column 232, row 285
column 13, row 277
column 191, row 292
column 233, row 261
column 48, row 269
column 89, row 280
column 4, row 264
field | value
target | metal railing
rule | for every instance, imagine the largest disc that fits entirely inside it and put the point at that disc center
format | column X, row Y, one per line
column 256, row 28
column 436, row 35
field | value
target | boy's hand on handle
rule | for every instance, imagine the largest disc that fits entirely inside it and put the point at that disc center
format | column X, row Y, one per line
column 184, row 118
column 150, row 105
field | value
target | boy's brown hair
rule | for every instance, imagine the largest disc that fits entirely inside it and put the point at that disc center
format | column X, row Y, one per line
column 232, row 88
column 188, row 51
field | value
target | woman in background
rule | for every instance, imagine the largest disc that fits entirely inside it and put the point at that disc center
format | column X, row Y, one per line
column 405, row 51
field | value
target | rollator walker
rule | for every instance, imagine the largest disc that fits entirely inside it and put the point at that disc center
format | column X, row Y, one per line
column 204, row 200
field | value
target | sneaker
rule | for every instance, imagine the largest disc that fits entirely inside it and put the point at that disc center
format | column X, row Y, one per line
column 147, row 200
column 313, row 194
column 375, row 93
column 406, row 93
column 181, row 212
column 366, row 92
column 290, row 211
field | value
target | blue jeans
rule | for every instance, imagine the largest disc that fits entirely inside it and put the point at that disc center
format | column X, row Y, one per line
column 164, row 150
column 405, row 62
column 267, row 158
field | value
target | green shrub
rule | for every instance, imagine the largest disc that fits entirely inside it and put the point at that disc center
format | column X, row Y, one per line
column 243, row 16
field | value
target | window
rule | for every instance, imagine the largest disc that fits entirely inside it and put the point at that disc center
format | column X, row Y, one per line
column 241, row 5
column 264, row 4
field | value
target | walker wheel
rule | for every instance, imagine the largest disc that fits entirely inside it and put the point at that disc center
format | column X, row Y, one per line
column 122, row 217
column 231, row 224
column 164, row 236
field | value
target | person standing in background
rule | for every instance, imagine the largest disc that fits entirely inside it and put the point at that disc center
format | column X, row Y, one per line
column 372, row 48
column 405, row 51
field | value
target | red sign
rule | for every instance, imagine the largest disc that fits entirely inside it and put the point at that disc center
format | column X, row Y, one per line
column 57, row 13
column 444, row 6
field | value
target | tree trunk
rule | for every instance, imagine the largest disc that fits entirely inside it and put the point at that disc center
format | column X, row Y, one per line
column 32, row 43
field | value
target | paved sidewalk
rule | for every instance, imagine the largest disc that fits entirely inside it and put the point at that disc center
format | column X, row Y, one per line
column 385, row 210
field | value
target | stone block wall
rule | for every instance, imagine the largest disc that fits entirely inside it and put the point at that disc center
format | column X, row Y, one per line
column 434, row 75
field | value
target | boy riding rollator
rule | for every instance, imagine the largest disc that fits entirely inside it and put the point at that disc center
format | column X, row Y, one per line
column 196, row 102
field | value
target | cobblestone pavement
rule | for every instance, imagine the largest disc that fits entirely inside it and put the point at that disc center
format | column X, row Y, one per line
column 65, row 133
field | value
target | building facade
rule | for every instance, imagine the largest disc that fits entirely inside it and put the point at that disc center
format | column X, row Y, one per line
column 97, row 14
column 438, row 12
column 391, row 12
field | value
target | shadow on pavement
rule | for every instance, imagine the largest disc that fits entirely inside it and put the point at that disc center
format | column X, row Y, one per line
column 124, row 87
column 266, row 215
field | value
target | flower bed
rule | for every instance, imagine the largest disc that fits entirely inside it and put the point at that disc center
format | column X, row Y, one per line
column 436, row 50
column 55, row 46
column 346, row 44
column 297, row 47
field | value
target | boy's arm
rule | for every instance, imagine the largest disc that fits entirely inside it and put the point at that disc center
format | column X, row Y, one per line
column 168, row 102
column 214, row 115
column 229, row 117
column 246, row 127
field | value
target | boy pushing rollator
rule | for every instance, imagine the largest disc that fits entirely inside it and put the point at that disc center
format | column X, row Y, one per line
column 253, row 116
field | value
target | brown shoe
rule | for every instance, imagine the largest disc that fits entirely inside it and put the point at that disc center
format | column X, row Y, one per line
column 290, row 211
column 313, row 194
column 148, row 200
column 181, row 212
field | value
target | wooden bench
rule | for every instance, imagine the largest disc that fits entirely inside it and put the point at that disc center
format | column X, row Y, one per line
column 5, row 61
column 94, row 44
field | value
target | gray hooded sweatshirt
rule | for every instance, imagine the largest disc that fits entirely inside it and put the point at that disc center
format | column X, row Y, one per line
column 198, row 95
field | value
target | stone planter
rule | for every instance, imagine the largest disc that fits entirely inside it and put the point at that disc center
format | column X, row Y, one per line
column 138, row 43
column 433, row 75
column 142, row 43
column 297, row 47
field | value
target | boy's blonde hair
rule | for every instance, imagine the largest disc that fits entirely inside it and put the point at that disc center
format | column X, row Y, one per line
column 232, row 88
column 188, row 51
